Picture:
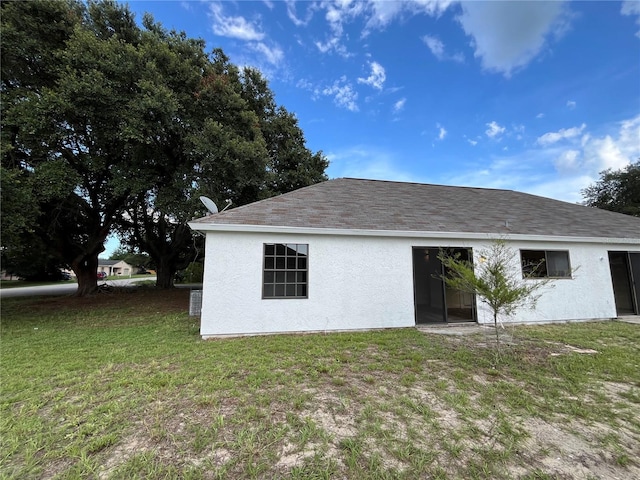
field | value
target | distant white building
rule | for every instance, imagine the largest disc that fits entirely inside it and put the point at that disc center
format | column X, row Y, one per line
column 115, row 267
column 359, row 254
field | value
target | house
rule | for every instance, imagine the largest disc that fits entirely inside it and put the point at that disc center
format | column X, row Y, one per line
column 351, row 254
column 115, row 267
column 8, row 276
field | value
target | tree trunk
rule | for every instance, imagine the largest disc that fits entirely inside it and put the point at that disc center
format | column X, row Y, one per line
column 166, row 272
column 86, row 270
column 495, row 325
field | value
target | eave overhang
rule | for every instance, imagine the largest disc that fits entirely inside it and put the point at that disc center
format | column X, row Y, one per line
column 269, row 229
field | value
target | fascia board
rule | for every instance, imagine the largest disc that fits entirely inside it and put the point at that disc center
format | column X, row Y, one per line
column 216, row 227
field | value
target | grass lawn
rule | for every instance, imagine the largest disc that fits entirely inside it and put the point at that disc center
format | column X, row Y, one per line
column 121, row 386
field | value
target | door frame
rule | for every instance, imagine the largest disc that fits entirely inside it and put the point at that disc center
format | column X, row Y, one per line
column 631, row 260
column 434, row 250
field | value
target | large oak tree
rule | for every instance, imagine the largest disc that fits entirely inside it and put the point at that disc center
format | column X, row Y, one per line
column 239, row 146
column 106, row 123
column 75, row 120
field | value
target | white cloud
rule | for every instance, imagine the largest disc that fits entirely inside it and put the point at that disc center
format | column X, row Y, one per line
column 523, row 171
column 399, row 105
column 472, row 142
column 562, row 134
column 291, row 13
column 442, row 132
column 630, row 8
column 458, row 57
column 304, row 84
column 565, row 188
column 376, row 14
column 326, row 46
column 335, row 45
column 609, row 153
column 337, row 14
column 594, row 154
column 434, row 8
column 383, row 12
column 377, row 77
column 494, row 130
column 435, row 45
column 568, row 161
column 438, row 50
column 233, row 27
column 312, row 7
column 269, row 53
column 629, row 135
column 571, row 104
column 507, row 36
column 501, row 171
column 273, row 55
column 343, row 94
column 614, row 151
column 540, row 115
column 554, row 171
column 316, row 91
column 533, row 171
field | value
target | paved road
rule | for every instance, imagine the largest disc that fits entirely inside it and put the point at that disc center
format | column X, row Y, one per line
column 63, row 288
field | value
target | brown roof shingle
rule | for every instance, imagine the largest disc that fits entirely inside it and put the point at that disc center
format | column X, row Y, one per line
column 347, row 203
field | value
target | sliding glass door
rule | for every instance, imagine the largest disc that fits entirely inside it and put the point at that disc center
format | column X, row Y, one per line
column 625, row 275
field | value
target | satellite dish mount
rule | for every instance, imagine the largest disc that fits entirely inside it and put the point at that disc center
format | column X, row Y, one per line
column 211, row 205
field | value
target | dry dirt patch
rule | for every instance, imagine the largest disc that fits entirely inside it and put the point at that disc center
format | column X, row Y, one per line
column 575, row 451
column 567, row 449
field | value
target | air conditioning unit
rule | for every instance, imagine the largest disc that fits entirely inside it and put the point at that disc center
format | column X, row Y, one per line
column 195, row 303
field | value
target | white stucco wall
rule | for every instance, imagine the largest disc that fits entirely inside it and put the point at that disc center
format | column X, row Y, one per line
column 352, row 284
column 363, row 282
column 587, row 295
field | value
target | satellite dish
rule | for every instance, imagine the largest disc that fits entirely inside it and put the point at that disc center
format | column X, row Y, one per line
column 210, row 204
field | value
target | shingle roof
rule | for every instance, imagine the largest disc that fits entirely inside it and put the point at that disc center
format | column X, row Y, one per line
column 347, row 203
column 107, row 263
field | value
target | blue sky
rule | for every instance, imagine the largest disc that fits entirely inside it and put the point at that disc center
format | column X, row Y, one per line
column 531, row 96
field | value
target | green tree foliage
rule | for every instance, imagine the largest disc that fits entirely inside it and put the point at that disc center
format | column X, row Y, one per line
column 239, row 146
column 290, row 164
column 218, row 151
column 617, row 190
column 79, row 133
column 106, row 123
column 494, row 280
column 33, row 35
column 156, row 216
column 194, row 273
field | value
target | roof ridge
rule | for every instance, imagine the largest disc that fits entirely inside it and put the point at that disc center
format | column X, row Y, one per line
column 426, row 184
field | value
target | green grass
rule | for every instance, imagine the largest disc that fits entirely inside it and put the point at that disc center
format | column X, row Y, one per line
column 121, row 386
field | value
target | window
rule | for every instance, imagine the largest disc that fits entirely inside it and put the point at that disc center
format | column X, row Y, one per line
column 285, row 270
column 545, row 263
